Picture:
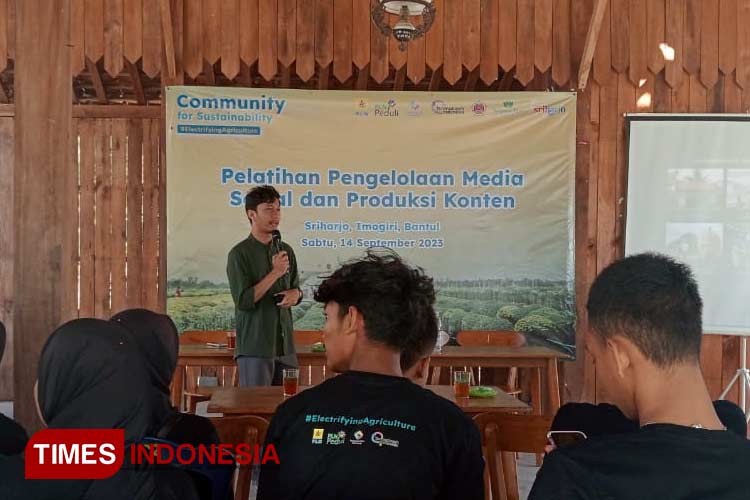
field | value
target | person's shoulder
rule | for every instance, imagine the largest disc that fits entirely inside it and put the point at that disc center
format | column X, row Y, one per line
column 193, row 429
column 240, row 246
column 562, row 477
column 196, row 422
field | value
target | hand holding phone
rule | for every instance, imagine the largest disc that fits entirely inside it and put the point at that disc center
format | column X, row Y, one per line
column 563, row 438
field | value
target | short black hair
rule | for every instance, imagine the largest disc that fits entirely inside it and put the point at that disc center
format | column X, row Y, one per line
column 260, row 194
column 653, row 301
column 421, row 345
column 396, row 301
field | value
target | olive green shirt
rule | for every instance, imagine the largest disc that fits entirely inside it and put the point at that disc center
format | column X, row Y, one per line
column 264, row 330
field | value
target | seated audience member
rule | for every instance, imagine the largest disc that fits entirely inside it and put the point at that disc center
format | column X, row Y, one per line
column 92, row 376
column 603, row 419
column 370, row 433
column 155, row 336
column 645, row 316
column 415, row 358
column 13, row 437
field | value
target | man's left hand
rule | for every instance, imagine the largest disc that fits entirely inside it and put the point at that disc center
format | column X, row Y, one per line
column 289, row 298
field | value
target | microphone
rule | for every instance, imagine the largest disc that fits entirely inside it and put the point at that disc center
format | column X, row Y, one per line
column 276, row 243
column 276, row 239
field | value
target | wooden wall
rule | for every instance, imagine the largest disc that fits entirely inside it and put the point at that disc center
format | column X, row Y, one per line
column 120, row 187
column 474, row 44
column 6, row 251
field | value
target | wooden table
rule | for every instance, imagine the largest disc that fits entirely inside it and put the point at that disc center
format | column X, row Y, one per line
column 202, row 355
column 541, row 361
column 263, row 401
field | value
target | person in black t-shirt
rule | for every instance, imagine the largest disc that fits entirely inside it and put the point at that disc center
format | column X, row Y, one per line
column 13, row 437
column 370, row 433
column 645, row 337
column 602, row 419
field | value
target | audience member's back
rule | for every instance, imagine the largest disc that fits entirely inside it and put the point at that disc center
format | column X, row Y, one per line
column 370, row 433
column 156, row 337
column 91, row 376
column 365, row 435
column 645, row 313
column 659, row 462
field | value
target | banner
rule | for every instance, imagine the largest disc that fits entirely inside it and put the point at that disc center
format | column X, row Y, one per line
column 477, row 188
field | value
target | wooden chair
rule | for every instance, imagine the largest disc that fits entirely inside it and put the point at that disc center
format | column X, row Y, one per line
column 247, row 429
column 193, row 394
column 501, row 338
column 503, row 436
column 310, row 375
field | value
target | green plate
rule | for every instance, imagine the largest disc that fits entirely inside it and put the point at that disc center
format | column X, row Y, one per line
column 482, row 391
column 318, row 347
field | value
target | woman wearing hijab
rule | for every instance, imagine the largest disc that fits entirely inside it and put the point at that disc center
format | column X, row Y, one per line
column 155, row 336
column 91, row 376
column 13, row 437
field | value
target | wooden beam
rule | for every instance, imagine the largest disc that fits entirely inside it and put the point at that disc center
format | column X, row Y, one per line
column 363, row 76
column 324, row 73
column 135, row 75
column 435, row 79
column 45, row 233
column 176, row 25
column 168, row 36
column 471, row 80
column 590, row 47
column 400, row 79
column 116, row 111
column 7, row 110
column 96, row 80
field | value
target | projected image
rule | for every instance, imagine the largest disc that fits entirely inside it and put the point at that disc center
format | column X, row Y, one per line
column 738, row 246
column 695, row 242
column 694, row 188
column 738, row 188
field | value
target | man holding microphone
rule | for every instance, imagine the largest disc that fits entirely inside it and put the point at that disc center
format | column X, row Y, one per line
column 264, row 282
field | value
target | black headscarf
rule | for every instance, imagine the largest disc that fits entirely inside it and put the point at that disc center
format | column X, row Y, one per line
column 91, row 375
column 155, row 336
column 13, row 437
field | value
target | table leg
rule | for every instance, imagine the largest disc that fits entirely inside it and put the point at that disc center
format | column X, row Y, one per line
column 536, row 399
column 553, row 387
column 536, row 390
column 178, row 384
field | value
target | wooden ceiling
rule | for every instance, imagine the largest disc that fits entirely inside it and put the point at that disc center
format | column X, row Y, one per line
column 120, row 48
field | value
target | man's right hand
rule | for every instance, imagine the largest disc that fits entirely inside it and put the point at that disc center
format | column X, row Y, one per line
column 280, row 264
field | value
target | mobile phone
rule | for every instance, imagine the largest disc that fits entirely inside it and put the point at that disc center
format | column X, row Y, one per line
column 563, row 438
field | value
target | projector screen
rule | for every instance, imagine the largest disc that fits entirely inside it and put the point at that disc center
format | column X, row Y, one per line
column 689, row 197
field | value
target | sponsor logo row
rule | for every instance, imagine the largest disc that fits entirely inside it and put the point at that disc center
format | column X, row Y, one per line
column 338, row 438
column 390, row 108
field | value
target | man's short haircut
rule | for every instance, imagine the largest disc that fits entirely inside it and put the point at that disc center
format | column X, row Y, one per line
column 421, row 346
column 653, row 301
column 260, row 194
column 396, row 301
